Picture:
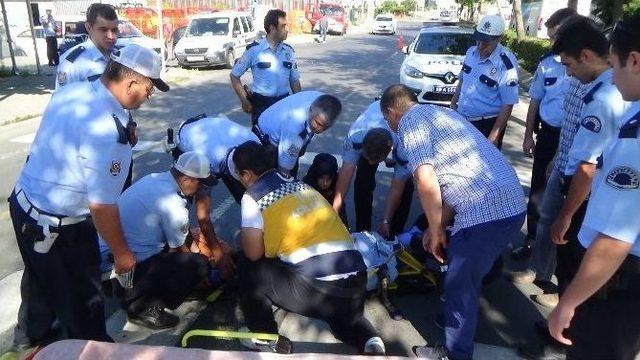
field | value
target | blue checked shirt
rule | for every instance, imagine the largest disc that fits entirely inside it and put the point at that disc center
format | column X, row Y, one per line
column 573, row 103
column 475, row 179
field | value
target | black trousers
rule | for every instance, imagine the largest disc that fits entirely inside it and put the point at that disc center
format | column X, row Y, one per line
column 486, row 125
column 363, row 188
column 546, row 146
column 260, row 103
column 63, row 284
column 165, row 280
column 270, row 282
column 570, row 255
column 52, row 50
column 607, row 325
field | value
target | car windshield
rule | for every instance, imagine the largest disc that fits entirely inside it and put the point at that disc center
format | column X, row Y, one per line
column 127, row 30
column 331, row 10
column 208, row 27
column 384, row 18
column 443, row 44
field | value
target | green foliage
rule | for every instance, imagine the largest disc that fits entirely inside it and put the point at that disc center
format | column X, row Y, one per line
column 608, row 11
column 528, row 51
column 390, row 6
column 632, row 7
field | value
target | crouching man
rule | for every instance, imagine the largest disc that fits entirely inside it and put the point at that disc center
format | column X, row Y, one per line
column 298, row 255
column 154, row 215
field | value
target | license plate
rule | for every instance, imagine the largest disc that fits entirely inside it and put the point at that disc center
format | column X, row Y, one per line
column 444, row 89
column 195, row 58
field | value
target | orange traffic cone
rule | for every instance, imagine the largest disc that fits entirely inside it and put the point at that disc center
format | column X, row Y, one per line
column 400, row 42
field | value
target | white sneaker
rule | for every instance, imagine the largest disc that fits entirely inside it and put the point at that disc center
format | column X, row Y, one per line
column 374, row 346
column 256, row 344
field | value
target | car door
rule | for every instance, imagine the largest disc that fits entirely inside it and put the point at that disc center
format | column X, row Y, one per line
column 238, row 36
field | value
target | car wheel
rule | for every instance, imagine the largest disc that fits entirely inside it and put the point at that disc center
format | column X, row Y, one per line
column 229, row 59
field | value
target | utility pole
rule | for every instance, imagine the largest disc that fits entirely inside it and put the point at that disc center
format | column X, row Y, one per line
column 14, row 69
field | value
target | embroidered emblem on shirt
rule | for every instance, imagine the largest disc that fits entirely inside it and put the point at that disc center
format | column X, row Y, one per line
column 592, row 123
column 184, row 228
column 62, row 78
column 293, row 150
column 493, row 71
column 512, row 82
column 623, row 178
column 115, row 168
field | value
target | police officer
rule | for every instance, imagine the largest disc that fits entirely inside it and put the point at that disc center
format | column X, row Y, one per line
column 68, row 189
column 216, row 138
column 290, row 124
column 154, row 215
column 584, row 51
column 87, row 61
column 368, row 143
column 273, row 67
column 599, row 309
column 544, row 117
column 49, row 29
column 488, row 86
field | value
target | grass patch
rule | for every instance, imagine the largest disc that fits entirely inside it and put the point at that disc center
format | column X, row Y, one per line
column 21, row 118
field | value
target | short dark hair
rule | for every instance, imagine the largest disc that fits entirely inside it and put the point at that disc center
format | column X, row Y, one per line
column 105, row 11
column 580, row 33
column 377, row 143
column 114, row 71
column 328, row 106
column 397, row 96
column 253, row 157
column 625, row 37
column 272, row 18
column 559, row 17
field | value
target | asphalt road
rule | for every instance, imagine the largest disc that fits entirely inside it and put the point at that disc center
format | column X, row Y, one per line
column 355, row 68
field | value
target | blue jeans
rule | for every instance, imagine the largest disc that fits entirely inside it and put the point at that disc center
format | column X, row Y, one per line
column 472, row 251
column 543, row 256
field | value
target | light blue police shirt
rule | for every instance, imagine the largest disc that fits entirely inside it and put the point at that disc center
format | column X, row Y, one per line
column 272, row 71
column 601, row 116
column 549, row 87
column 83, row 62
column 286, row 123
column 615, row 193
column 152, row 213
column 372, row 118
column 48, row 25
column 488, row 84
column 81, row 152
column 214, row 138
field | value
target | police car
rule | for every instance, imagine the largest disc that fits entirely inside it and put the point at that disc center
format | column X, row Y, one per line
column 384, row 24
column 434, row 60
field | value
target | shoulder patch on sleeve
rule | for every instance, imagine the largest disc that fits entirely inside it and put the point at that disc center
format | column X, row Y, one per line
column 592, row 123
column 293, row 150
column 623, row 178
column 115, row 168
column 512, row 82
column 251, row 45
column 507, row 62
column 62, row 78
column 75, row 53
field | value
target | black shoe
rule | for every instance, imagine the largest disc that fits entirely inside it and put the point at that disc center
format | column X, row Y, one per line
column 154, row 318
column 521, row 252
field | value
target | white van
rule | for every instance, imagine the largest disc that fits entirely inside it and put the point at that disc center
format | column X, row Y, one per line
column 217, row 38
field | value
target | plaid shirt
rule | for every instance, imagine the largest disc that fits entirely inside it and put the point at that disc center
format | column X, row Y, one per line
column 573, row 103
column 475, row 179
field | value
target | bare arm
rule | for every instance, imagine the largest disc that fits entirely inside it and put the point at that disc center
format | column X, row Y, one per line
column 295, row 86
column 342, row 184
column 220, row 252
column 456, row 96
column 106, row 219
column 252, row 243
column 236, row 84
column 578, row 191
column 528, row 144
column 501, row 123
column 431, row 201
column 602, row 259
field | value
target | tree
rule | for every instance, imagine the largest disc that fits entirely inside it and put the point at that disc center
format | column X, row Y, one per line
column 610, row 11
column 408, row 6
column 517, row 14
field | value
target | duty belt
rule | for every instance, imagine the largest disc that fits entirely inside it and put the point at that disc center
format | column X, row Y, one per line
column 41, row 216
column 479, row 118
